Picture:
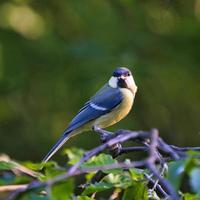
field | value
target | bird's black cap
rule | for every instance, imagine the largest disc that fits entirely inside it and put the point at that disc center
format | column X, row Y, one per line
column 121, row 71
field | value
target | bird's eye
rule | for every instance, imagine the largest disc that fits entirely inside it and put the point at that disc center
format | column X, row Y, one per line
column 128, row 74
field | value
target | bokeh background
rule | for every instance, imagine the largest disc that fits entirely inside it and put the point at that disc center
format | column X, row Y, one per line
column 55, row 54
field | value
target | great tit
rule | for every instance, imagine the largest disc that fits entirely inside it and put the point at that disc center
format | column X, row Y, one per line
column 108, row 106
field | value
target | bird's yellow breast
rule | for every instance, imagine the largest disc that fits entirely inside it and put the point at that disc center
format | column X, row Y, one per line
column 117, row 113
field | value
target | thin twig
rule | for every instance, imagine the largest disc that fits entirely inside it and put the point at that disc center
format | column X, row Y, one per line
column 9, row 188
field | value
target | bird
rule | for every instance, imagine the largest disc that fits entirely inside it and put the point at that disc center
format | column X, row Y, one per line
column 108, row 106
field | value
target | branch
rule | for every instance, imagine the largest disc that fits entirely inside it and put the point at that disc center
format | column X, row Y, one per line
column 8, row 188
column 155, row 146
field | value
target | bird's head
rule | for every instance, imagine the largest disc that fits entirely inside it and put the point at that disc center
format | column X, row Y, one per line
column 122, row 78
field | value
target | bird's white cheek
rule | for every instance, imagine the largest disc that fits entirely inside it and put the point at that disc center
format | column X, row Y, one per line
column 131, row 84
column 113, row 82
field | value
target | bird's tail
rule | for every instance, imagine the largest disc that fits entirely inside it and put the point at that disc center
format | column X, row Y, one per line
column 57, row 146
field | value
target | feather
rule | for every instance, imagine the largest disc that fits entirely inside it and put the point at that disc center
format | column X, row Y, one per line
column 101, row 103
column 57, row 146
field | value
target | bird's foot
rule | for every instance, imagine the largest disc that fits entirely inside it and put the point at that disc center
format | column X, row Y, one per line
column 104, row 135
column 115, row 150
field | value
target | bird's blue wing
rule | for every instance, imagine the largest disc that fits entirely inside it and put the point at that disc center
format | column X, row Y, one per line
column 101, row 103
column 107, row 97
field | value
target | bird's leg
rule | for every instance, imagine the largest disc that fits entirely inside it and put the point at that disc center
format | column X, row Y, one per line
column 104, row 135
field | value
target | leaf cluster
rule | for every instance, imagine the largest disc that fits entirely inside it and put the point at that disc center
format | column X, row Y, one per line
column 128, row 184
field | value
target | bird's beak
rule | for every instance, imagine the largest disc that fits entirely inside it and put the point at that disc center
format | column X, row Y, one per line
column 122, row 77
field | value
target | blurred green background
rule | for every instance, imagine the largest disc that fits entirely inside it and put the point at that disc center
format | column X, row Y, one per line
column 55, row 54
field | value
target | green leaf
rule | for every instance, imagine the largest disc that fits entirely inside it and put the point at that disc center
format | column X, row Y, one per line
column 190, row 163
column 195, row 179
column 10, row 178
column 188, row 196
column 120, row 180
column 51, row 170
column 137, row 192
column 7, row 165
column 88, row 176
column 63, row 190
column 84, row 198
column 136, row 174
column 74, row 155
column 97, row 187
column 101, row 160
column 193, row 153
column 37, row 166
column 177, row 170
column 7, row 175
column 175, row 173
